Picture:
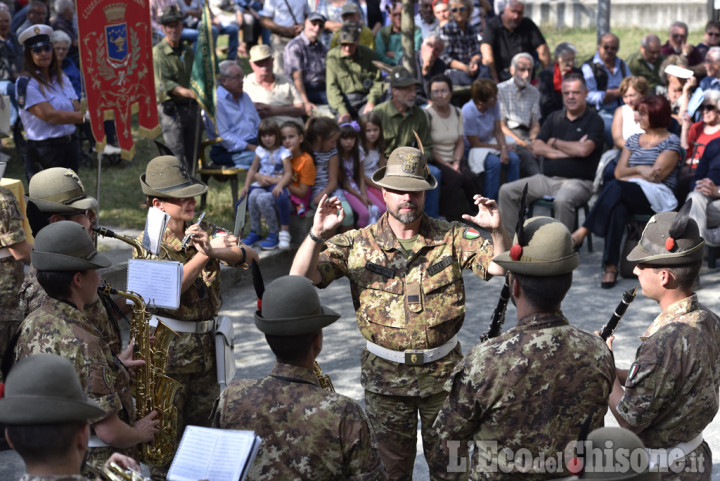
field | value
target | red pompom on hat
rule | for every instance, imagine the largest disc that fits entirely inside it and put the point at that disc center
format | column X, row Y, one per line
column 669, row 244
column 516, row 252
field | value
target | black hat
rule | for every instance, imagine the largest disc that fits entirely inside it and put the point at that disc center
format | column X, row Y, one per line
column 171, row 14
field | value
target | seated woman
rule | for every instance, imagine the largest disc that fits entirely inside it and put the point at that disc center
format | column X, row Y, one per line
column 645, row 178
column 624, row 125
column 481, row 122
column 459, row 184
column 550, row 79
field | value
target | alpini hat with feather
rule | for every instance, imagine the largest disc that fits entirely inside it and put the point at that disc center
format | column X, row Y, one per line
column 406, row 170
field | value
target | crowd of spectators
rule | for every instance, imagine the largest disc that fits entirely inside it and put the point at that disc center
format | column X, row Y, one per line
column 487, row 101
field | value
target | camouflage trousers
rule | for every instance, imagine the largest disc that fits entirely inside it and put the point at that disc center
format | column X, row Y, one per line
column 696, row 466
column 394, row 421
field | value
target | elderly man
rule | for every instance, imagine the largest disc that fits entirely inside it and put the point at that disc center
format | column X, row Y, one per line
column 335, row 441
column 274, row 95
column 603, row 74
column 509, row 34
column 389, row 38
column 351, row 13
column 354, row 83
column 646, row 62
column 712, row 68
column 677, row 44
column 534, row 386
column 661, row 398
column 571, row 142
column 237, row 121
column 37, row 13
column 177, row 107
column 429, row 64
column 406, row 283
column 520, row 111
column 305, row 62
column 425, row 18
column 285, row 19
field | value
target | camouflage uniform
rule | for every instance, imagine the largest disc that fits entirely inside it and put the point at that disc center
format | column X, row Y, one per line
column 11, row 270
column 69, row 477
column 307, row 432
column 59, row 328
column 532, row 387
column 32, row 296
column 382, row 277
column 191, row 357
column 671, row 393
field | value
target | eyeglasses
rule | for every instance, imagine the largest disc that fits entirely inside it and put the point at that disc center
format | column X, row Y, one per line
column 610, row 47
column 712, row 34
column 679, row 35
column 458, row 9
column 707, row 107
column 42, row 48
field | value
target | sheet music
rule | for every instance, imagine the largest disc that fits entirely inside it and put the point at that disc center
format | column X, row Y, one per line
column 158, row 282
column 155, row 225
column 213, row 454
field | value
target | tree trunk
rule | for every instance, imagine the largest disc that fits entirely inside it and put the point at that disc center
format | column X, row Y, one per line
column 408, row 35
column 603, row 18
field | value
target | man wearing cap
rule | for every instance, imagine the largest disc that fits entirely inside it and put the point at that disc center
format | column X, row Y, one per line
column 167, row 186
column 402, row 120
column 48, row 417
column 535, row 385
column 406, row 283
column 670, row 393
column 304, row 60
column 351, row 13
column 273, row 94
column 354, row 83
column 285, row 19
column 67, row 264
column 307, row 431
column 177, row 106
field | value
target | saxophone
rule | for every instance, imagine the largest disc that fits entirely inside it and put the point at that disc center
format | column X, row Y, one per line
column 152, row 389
column 113, row 472
column 139, row 252
column 323, row 379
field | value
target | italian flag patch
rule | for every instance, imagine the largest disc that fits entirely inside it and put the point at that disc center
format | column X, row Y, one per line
column 471, row 234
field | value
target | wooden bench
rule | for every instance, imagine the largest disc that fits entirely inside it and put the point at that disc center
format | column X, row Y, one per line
column 223, row 173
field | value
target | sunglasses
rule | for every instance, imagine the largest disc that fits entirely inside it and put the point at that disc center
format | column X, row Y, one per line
column 42, row 48
column 712, row 34
column 458, row 9
column 706, row 107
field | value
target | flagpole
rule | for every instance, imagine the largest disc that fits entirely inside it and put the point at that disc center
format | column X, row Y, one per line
column 202, row 80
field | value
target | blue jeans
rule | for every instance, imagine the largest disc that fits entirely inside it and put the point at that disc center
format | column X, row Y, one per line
column 607, row 117
column 231, row 30
column 432, row 197
column 492, row 173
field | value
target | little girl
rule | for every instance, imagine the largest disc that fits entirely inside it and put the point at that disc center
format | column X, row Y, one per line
column 373, row 144
column 364, row 204
column 266, row 183
column 303, row 167
column 322, row 134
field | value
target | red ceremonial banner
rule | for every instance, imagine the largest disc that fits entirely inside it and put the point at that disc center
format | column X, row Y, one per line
column 116, row 61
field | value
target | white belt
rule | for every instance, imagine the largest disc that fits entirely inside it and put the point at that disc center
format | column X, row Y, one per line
column 5, row 252
column 202, row 327
column 413, row 357
column 664, row 458
column 95, row 442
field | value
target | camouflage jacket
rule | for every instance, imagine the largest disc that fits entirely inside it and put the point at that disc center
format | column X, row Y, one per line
column 671, row 392
column 33, row 296
column 53, row 477
column 11, row 270
column 415, row 302
column 59, row 328
column 532, row 387
column 307, row 432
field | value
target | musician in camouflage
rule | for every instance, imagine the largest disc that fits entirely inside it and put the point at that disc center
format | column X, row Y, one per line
column 14, row 252
column 406, row 282
column 57, row 194
column 169, row 187
column 307, row 432
column 670, row 393
column 535, row 385
column 48, row 417
column 67, row 264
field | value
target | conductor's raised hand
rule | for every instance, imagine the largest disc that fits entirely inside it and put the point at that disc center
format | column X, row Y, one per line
column 488, row 216
column 328, row 216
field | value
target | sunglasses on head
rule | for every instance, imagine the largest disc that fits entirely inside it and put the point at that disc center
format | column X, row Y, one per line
column 458, row 9
column 42, row 48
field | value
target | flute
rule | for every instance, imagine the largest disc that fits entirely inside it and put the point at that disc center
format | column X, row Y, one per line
column 187, row 237
column 609, row 328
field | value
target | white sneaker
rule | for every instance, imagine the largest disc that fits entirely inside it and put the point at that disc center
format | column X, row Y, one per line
column 111, row 149
column 284, row 237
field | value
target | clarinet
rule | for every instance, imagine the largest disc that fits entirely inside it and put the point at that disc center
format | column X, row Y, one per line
column 498, row 317
column 609, row 328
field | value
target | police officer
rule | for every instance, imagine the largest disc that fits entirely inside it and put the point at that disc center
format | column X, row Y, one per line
column 49, row 107
column 535, row 385
column 177, row 106
column 335, row 441
column 67, row 265
column 670, row 393
column 48, row 419
column 406, row 282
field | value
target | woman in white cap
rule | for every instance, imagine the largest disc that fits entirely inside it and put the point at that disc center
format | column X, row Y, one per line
column 49, row 106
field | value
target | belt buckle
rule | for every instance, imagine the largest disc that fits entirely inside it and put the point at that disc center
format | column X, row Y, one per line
column 414, row 357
